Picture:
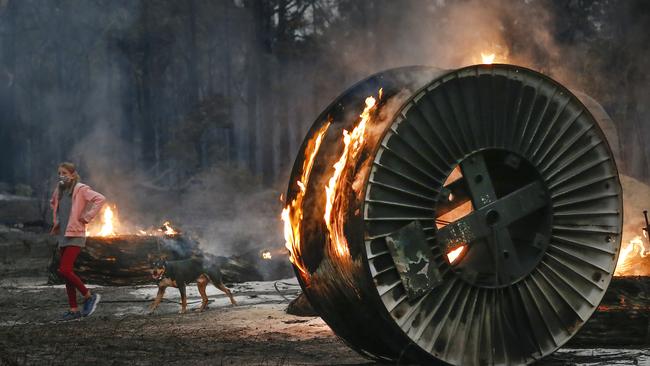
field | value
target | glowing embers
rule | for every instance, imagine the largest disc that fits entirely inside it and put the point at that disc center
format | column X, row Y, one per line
column 292, row 215
column 336, row 191
column 453, row 254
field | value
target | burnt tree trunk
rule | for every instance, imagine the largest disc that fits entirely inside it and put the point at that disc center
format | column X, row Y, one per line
column 253, row 57
column 284, row 69
column 8, row 121
column 232, row 153
column 147, row 128
column 193, row 59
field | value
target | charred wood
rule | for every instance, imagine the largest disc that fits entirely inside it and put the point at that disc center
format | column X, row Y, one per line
column 125, row 260
column 623, row 317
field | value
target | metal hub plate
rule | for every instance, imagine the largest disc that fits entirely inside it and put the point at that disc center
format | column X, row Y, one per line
column 504, row 233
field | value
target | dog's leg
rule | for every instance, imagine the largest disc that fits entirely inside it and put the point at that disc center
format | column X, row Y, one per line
column 225, row 289
column 202, row 283
column 181, row 289
column 158, row 299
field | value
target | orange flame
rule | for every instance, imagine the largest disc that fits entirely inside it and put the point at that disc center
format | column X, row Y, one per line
column 634, row 247
column 167, row 229
column 487, row 58
column 454, row 254
column 108, row 226
column 292, row 214
column 335, row 197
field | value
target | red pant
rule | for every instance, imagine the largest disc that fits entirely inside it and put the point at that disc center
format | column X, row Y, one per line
column 72, row 282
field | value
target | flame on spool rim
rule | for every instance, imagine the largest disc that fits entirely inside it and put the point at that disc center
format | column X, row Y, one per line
column 336, row 197
column 292, row 214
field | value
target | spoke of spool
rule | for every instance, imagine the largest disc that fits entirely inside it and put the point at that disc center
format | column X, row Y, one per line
column 568, row 145
column 541, row 117
column 464, row 109
column 583, row 200
column 418, row 111
column 469, row 322
column 408, row 162
column 588, row 246
column 516, row 114
column 419, row 153
column 404, row 191
column 550, row 126
column 538, row 118
column 570, row 285
column 573, row 270
column 402, row 175
column 435, row 116
column 581, row 186
column 553, row 144
column 455, row 119
column 571, row 158
column 575, row 174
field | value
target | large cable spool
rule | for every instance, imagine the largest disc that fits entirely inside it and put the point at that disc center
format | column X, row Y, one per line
column 479, row 222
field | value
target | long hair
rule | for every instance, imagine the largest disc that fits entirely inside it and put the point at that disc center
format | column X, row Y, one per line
column 70, row 167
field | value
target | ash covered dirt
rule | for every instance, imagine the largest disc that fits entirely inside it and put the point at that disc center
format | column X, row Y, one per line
column 257, row 332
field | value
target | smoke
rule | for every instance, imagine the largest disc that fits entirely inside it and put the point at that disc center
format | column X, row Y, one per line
column 227, row 206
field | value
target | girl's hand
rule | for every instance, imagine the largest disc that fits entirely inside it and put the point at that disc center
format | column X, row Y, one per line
column 55, row 230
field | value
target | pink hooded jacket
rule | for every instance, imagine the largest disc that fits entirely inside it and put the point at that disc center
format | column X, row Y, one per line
column 81, row 213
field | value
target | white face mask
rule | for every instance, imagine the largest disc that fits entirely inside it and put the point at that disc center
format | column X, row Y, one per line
column 63, row 180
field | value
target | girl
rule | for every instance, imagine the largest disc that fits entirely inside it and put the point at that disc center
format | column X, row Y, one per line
column 74, row 205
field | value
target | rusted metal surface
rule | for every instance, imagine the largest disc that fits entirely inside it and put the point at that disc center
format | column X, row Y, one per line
column 413, row 259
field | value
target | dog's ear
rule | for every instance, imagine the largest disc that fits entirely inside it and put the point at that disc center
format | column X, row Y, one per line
column 164, row 257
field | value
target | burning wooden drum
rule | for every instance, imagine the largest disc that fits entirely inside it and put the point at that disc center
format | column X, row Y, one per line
column 471, row 216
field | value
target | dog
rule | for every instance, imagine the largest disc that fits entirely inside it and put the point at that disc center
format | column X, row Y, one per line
column 179, row 273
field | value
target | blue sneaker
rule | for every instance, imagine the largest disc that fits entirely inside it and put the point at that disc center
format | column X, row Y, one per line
column 90, row 305
column 71, row 315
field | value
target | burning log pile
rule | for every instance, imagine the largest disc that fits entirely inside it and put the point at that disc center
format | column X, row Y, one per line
column 112, row 259
column 122, row 260
column 471, row 216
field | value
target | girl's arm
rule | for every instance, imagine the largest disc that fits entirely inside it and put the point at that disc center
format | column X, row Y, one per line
column 53, row 199
column 96, row 202
column 55, row 224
